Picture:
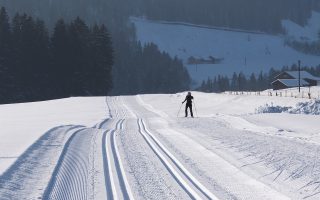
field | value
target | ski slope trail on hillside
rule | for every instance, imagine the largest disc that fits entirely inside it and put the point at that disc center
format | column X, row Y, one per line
column 236, row 50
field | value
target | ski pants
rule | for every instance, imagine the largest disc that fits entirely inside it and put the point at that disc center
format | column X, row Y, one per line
column 190, row 107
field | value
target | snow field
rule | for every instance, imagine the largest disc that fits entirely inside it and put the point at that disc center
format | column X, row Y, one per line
column 70, row 179
column 278, row 149
column 189, row 152
column 308, row 33
column 22, row 124
column 139, row 149
column 28, row 176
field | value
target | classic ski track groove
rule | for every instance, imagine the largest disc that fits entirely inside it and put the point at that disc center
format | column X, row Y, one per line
column 188, row 178
column 69, row 180
column 114, row 145
column 117, row 179
column 187, row 181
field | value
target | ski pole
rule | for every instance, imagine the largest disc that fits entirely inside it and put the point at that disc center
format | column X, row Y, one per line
column 195, row 108
column 179, row 110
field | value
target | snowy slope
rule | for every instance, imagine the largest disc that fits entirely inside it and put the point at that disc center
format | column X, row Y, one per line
column 22, row 124
column 240, row 50
column 135, row 147
column 308, row 33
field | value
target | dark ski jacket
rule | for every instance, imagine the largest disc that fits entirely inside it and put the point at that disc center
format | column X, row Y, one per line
column 188, row 99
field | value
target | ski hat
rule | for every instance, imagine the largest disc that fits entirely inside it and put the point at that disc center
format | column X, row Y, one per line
column 189, row 93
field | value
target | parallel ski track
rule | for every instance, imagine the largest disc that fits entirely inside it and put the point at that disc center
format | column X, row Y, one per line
column 117, row 185
column 185, row 179
column 119, row 112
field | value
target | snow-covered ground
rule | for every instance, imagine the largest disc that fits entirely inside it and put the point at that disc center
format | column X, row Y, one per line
column 308, row 33
column 22, row 124
column 140, row 147
column 240, row 50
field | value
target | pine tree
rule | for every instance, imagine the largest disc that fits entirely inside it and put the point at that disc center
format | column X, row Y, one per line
column 41, row 65
column 23, row 56
column 234, row 82
column 253, row 83
column 79, row 47
column 5, row 48
column 100, row 77
column 61, row 70
column 242, row 82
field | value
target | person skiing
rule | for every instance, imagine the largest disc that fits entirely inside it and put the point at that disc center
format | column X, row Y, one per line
column 188, row 99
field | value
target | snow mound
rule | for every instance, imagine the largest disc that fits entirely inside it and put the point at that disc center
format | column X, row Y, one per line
column 312, row 108
column 308, row 108
column 272, row 109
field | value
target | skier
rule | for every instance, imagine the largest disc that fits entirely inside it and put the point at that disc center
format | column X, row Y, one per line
column 189, row 104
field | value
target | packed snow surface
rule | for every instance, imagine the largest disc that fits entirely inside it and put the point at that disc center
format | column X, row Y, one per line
column 22, row 124
column 238, row 50
column 142, row 147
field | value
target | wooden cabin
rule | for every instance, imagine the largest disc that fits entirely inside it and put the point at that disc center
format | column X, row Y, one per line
column 290, row 79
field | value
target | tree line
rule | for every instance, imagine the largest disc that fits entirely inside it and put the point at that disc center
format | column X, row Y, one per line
column 306, row 47
column 74, row 61
column 259, row 15
column 254, row 82
column 150, row 71
column 80, row 60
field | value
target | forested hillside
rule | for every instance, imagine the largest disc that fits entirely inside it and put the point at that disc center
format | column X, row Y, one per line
column 74, row 60
column 132, row 58
column 245, row 14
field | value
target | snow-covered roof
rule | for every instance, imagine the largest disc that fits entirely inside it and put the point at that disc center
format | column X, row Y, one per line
column 292, row 82
column 303, row 75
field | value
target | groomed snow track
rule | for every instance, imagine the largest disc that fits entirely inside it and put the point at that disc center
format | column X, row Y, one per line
column 135, row 153
column 70, row 178
column 185, row 179
column 116, row 181
column 30, row 171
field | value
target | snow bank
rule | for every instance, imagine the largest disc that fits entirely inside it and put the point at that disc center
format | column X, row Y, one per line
column 272, row 109
column 310, row 108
